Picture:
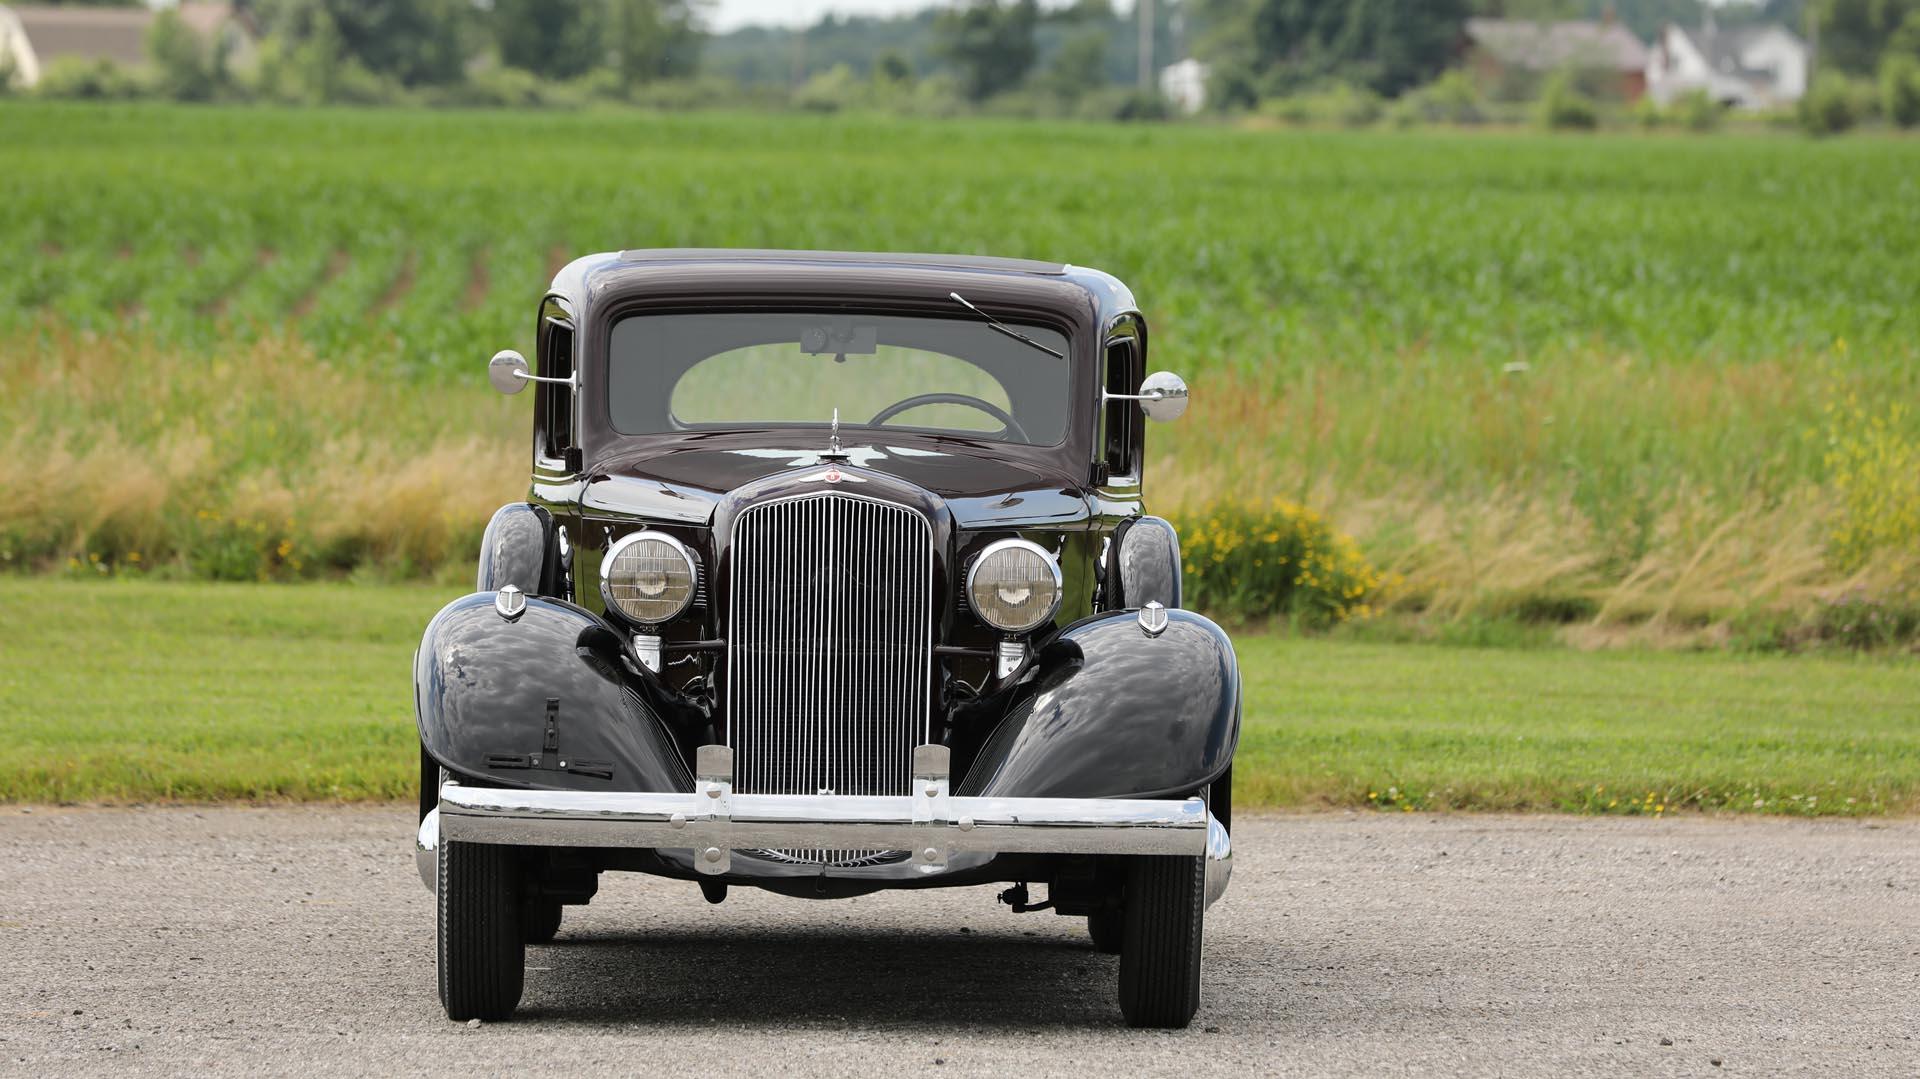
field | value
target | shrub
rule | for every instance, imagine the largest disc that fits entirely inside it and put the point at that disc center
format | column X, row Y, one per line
column 1450, row 99
column 495, row 87
column 1565, row 108
column 1335, row 103
column 1696, row 110
column 1832, row 106
column 831, row 90
column 182, row 68
column 88, row 80
column 1246, row 562
column 1141, row 105
column 1648, row 115
column 1900, row 90
column 1873, row 464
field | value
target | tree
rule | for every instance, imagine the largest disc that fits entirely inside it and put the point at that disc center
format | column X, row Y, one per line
column 414, row 42
column 652, row 39
column 1080, row 65
column 1900, row 89
column 1282, row 45
column 181, row 64
column 1853, row 33
column 554, row 39
column 990, row 42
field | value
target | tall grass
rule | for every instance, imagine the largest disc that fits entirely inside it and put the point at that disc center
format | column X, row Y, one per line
column 1584, row 383
column 260, row 461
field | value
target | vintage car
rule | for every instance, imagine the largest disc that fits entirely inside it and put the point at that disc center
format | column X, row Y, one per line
column 835, row 575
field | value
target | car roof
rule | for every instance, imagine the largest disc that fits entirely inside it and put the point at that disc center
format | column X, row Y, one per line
column 986, row 263
column 1090, row 296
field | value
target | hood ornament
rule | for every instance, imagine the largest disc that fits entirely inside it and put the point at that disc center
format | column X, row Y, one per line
column 833, row 441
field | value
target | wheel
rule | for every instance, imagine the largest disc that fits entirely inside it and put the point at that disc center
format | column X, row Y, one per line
column 539, row 921
column 1106, row 927
column 1161, row 940
column 482, row 960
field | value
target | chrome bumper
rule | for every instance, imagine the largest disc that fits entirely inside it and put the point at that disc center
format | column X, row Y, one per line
column 930, row 824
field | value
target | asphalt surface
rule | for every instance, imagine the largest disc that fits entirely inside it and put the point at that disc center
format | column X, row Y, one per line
column 299, row 941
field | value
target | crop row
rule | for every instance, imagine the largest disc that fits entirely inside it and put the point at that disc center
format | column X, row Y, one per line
column 1257, row 252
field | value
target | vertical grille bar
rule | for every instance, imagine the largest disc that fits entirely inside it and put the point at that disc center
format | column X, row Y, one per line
column 829, row 648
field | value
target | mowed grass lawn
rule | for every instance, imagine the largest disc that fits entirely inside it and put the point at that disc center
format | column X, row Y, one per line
column 138, row 691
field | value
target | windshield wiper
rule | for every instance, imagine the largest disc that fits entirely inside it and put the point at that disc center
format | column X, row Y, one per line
column 1006, row 329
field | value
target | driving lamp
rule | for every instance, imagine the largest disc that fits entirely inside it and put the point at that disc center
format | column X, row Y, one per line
column 1014, row 586
column 648, row 577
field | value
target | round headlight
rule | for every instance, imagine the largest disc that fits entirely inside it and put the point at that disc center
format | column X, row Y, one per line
column 1014, row 586
column 648, row 577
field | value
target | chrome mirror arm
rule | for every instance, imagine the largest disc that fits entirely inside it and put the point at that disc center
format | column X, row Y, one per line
column 570, row 381
column 1163, row 396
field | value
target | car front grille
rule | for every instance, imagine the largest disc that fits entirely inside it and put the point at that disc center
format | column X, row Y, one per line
column 829, row 649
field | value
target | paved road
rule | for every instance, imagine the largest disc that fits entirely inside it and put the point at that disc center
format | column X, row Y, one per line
column 298, row 940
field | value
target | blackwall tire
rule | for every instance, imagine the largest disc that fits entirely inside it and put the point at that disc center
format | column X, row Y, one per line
column 1160, row 948
column 482, row 961
column 539, row 921
column 1107, row 928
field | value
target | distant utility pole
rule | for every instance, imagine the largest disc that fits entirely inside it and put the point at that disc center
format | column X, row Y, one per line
column 1143, row 9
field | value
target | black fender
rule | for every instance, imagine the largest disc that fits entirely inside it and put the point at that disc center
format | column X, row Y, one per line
column 1146, row 563
column 520, row 548
column 1111, row 711
column 549, row 699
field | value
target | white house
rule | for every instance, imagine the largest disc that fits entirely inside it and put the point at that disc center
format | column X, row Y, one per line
column 1185, row 84
column 31, row 37
column 1750, row 67
column 18, row 62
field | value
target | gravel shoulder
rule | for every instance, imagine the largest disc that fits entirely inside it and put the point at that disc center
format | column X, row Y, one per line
column 290, row 940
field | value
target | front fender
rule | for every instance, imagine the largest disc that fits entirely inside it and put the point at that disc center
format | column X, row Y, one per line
column 1112, row 712
column 547, row 699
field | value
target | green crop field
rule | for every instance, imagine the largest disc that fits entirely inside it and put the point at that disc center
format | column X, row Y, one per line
column 1653, row 388
column 179, row 691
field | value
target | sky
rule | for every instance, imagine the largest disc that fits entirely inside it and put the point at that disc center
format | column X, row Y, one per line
column 724, row 15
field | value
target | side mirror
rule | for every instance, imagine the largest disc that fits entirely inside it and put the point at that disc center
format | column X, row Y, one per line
column 508, row 372
column 1163, row 396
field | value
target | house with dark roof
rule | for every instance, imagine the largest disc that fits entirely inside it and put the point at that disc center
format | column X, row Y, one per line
column 1510, row 57
column 33, row 36
column 1747, row 67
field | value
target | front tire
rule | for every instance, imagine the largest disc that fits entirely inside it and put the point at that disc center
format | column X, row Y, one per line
column 1166, row 911
column 482, row 962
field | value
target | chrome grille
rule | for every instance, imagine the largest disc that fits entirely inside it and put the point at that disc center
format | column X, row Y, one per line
column 829, row 649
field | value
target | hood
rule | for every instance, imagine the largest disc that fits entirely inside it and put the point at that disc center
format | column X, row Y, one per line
column 981, row 488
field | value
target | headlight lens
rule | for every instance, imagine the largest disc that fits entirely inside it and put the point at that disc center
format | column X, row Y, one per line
column 1014, row 586
column 648, row 577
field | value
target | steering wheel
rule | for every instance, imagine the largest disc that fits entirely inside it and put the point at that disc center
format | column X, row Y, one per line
column 988, row 407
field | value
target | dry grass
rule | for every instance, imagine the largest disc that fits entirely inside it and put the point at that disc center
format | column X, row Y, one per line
column 264, row 461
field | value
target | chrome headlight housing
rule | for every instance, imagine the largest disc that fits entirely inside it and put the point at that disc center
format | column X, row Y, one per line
column 649, row 577
column 1014, row 586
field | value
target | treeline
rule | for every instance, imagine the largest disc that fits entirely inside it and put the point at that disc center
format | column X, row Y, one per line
column 1398, row 61
column 410, row 51
column 1310, row 61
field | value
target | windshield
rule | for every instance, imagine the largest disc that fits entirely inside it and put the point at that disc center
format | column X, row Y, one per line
column 961, row 376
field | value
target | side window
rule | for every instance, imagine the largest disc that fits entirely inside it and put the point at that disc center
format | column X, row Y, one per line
column 1121, row 419
column 556, row 402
